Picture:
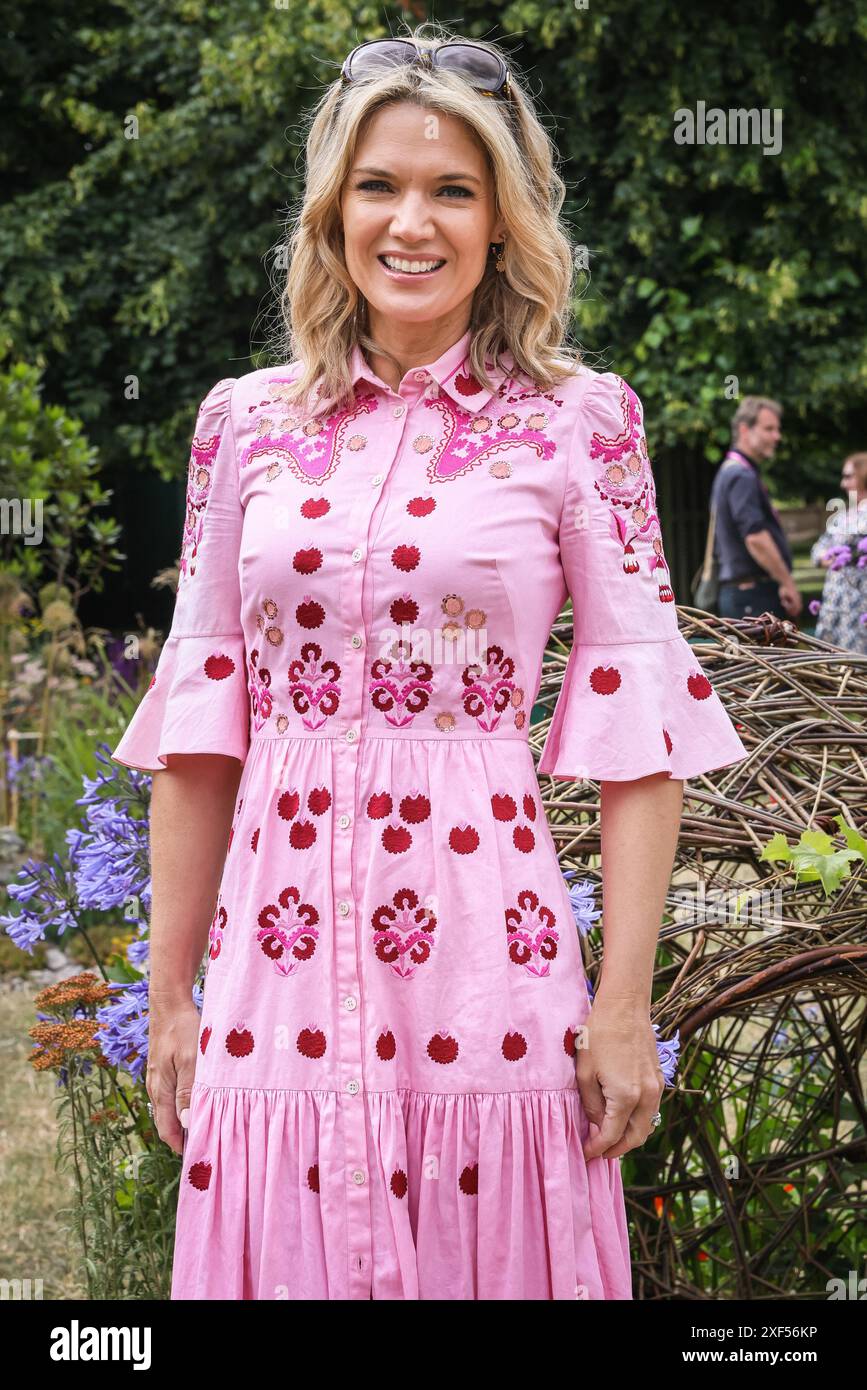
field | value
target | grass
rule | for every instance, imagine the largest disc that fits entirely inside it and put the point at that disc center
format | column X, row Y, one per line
column 34, row 1243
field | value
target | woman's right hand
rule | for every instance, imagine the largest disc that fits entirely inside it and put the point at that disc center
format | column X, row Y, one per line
column 173, row 1034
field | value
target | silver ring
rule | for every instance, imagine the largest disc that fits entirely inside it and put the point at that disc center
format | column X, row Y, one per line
column 150, row 1109
column 656, row 1119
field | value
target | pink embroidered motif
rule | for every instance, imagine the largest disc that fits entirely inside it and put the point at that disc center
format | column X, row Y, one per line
column 489, row 688
column 532, row 935
column 465, row 441
column 400, row 688
column 288, row 933
column 259, row 677
column 313, row 685
column 403, row 933
column 215, row 934
column 202, row 455
column 626, row 484
column 311, row 449
column 259, row 683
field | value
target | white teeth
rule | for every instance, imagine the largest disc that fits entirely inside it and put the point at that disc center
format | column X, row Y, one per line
column 412, row 267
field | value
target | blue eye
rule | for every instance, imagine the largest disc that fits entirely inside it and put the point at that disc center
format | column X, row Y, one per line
column 371, row 184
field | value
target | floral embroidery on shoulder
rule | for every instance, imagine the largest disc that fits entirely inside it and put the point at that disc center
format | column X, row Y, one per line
column 624, row 481
column 202, row 455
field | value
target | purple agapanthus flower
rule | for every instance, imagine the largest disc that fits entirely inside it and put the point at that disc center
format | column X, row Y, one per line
column 124, row 1037
column 45, row 890
column 31, row 765
column 138, row 953
column 667, row 1050
column 113, row 865
column 815, row 606
column 582, row 902
column 106, row 864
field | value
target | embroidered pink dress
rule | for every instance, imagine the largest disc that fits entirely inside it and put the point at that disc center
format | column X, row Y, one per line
column 385, row 1100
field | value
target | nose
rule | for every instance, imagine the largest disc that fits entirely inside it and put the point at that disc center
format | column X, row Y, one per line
column 410, row 221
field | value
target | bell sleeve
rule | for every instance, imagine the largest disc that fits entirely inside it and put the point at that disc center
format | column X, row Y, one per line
column 634, row 699
column 197, row 701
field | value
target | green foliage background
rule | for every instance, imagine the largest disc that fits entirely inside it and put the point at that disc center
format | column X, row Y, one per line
column 152, row 256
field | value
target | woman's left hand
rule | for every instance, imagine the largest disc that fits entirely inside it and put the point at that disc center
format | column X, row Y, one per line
column 619, row 1077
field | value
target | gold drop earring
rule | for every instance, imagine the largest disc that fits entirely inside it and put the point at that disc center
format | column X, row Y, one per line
column 498, row 250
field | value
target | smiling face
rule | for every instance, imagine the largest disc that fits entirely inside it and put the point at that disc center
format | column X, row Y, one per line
column 420, row 191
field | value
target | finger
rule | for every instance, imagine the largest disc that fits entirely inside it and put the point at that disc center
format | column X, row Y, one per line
column 612, row 1129
column 166, row 1116
column 640, row 1125
column 183, row 1091
column 632, row 1138
column 591, row 1093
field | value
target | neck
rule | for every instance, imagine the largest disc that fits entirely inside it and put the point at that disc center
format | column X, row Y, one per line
column 413, row 344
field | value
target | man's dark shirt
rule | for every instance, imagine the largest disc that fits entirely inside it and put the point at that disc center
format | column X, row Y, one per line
column 743, row 506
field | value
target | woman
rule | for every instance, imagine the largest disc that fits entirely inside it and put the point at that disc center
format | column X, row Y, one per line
column 397, row 1088
column 843, row 610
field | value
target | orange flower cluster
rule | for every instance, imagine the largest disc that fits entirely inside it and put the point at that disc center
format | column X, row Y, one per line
column 55, row 1041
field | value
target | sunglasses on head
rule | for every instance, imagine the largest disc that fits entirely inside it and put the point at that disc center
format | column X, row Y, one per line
column 485, row 70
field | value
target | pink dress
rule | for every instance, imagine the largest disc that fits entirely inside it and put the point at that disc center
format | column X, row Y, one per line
column 385, row 1102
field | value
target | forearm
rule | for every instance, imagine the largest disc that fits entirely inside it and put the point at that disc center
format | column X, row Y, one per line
column 192, row 802
column 640, row 829
column 765, row 552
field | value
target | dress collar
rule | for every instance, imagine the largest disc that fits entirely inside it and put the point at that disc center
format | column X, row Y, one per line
column 451, row 372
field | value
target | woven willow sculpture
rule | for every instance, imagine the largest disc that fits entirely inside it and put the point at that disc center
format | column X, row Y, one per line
column 754, row 1185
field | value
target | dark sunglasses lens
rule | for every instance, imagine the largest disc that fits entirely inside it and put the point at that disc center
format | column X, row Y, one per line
column 381, row 54
column 477, row 66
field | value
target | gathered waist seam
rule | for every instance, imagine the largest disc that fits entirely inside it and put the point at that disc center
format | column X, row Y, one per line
column 389, row 1091
column 389, row 738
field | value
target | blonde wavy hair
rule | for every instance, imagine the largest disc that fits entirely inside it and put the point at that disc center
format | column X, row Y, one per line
column 525, row 309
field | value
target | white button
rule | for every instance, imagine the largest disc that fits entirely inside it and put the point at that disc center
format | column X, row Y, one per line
column 353, row 1087
column 343, row 820
column 358, row 1177
column 356, row 639
column 351, row 735
column 421, row 376
column 350, row 1002
column 376, row 479
column 343, row 907
column 357, row 553
column 398, row 410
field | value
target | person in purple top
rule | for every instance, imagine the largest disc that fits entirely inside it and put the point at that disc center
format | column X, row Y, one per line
column 750, row 545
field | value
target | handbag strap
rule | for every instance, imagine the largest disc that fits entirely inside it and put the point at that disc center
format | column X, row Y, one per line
column 708, row 549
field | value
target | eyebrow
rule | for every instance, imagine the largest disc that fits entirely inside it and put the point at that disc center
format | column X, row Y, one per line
column 387, row 174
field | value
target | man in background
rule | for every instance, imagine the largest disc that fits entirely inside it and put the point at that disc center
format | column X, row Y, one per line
column 750, row 545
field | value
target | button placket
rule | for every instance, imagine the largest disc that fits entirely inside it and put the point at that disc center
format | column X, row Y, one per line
column 348, row 874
